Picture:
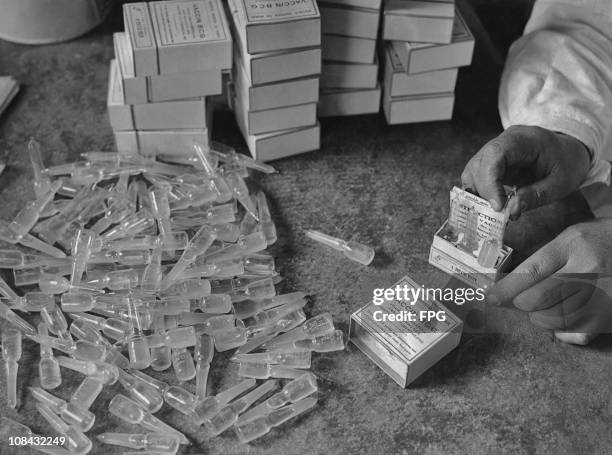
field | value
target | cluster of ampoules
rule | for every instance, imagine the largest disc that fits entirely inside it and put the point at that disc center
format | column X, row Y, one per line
column 155, row 262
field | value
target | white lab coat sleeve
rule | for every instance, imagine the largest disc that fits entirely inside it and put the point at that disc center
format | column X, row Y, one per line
column 558, row 76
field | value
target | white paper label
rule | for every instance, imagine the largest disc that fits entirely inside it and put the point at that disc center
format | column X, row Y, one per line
column 263, row 10
column 188, row 22
column 137, row 18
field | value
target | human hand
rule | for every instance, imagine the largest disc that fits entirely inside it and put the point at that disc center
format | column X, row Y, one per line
column 566, row 286
column 546, row 166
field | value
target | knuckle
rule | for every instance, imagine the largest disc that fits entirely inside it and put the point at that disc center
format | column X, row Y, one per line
column 534, row 271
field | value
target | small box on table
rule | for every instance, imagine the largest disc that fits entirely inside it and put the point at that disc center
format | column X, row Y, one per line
column 357, row 22
column 418, row 108
column 349, row 75
column 405, row 349
column 350, row 49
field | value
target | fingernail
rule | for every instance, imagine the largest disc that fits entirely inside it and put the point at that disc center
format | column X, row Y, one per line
column 493, row 300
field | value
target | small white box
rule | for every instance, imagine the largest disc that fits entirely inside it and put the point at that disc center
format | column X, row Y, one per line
column 348, row 49
column 405, row 349
column 399, row 83
column 272, row 26
column 168, row 115
column 164, row 87
column 349, row 75
column 278, row 119
column 357, row 22
column 178, row 36
column 275, row 94
column 152, row 143
column 419, row 57
column 446, row 255
column 418, row 108
column 341, row 102
column 369, row 4
column 418, row 21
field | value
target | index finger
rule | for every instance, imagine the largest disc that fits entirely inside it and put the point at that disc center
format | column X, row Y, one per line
column 539, row 266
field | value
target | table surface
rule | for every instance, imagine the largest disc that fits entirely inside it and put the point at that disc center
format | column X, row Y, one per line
column 507, row 389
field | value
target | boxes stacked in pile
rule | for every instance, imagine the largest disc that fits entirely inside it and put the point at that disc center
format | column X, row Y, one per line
column 349, row 77
column 168, row 63
column 277, row 63
column 425, row 44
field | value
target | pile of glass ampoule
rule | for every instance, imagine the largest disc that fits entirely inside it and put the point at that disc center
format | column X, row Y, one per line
column 138, row 260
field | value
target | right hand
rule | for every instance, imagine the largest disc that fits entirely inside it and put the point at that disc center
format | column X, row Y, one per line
column 557, row 165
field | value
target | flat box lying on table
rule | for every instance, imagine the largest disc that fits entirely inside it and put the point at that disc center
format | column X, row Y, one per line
column 163, row 87
column 168, row 115
column 177, row 36
column 420, row 57
column 400, row 83
column 337, row 102
column 418, row 21
column 405, row 350
column 265, row 26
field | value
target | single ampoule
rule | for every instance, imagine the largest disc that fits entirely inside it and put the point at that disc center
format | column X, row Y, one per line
column 245, row 308
column 300, row 359
column 203, row 354
column 316, row 326
column 162, row 443
column 207, row 408
column 227, row 416
column 329, row 342
column 86, row 393
column 249, row 430
column 262, row 370
column 11, row 353
column 55, row 320
column 131, row 412
column 9, row 315
column 353, row 250
column 147, row 396
column 265, row 219
column 48, row 366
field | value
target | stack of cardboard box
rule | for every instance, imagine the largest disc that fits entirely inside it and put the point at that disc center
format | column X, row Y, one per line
column 275, row 79
column 168, row 63
column 425, row 44
column 349, row 77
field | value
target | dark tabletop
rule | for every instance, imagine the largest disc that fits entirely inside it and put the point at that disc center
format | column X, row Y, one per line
column 508, row 388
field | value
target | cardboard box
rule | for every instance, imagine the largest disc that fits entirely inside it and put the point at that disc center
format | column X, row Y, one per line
column 418, row 108
column 399, row 83
column 419, row 57
column 369, row 4
column 418, row 21
column 278, row 119
column 450, row 258
column 265, row 26
column 405, row 349
column 171, row 37
column 348, row 49
column 169, row 115
column 152, row 143
column 341, row 102
column 275, row 94
column 165, row 87
column 349, row 75
column 357, row 22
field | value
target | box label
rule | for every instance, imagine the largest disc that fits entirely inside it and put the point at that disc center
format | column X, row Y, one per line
column 408, row 337
column 189, row 22
column 489, row 222
column 264, row 11
column 138, row 21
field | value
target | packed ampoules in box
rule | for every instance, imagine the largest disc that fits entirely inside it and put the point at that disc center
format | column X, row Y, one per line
column 155, row 263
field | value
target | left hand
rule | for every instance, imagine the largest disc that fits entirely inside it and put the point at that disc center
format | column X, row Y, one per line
column 566, row 286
